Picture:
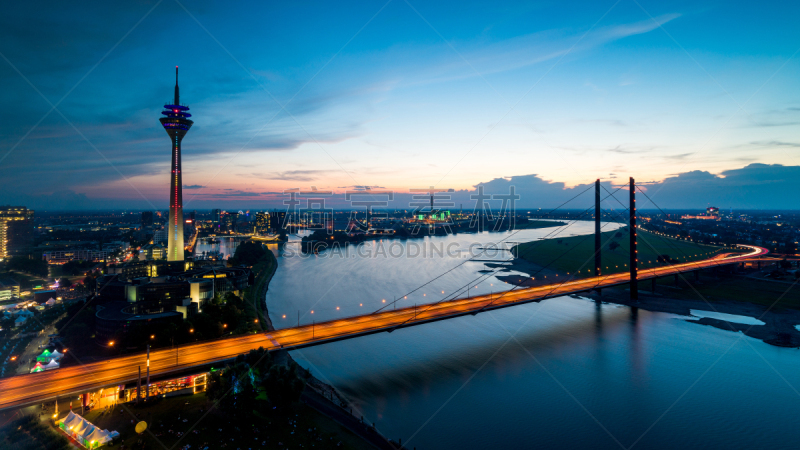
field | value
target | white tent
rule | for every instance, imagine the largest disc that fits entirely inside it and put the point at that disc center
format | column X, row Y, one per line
column 56, row 355
column 51, row 365
column 97, row 436
column 78, row 427
column 20, row 321
column 71, row 420
column 50, row 302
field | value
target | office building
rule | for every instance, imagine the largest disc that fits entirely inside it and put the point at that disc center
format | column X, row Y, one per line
column 261, row 226
column 16, row 230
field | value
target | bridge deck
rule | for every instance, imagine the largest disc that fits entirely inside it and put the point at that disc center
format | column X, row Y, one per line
column 28, row 389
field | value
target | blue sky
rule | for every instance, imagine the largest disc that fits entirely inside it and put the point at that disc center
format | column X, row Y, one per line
column 399, row 95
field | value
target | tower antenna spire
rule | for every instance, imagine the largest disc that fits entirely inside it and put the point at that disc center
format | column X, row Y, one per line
column 177, row 93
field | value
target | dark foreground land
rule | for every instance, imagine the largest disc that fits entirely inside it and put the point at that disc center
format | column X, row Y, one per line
column 190, row 422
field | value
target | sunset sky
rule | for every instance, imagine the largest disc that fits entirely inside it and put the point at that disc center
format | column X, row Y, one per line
column 399, row 95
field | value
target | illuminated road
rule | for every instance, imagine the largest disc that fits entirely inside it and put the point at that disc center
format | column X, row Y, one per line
column 28, row 389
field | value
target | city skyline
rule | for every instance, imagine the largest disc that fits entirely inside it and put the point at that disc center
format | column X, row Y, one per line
column 555, row 100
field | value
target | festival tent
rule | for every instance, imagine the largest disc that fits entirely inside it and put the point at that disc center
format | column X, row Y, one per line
column 51, row 365
column 44, row 357
column 70, row 421
column 37, row 368
column 85, row 432
column 50, row 302
column 56, row 355
column 97, row 437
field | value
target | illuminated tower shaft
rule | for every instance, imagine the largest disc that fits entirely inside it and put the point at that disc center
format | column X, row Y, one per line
column 176, row 123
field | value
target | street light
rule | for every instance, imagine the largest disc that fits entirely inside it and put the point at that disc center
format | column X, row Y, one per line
column 110, row 343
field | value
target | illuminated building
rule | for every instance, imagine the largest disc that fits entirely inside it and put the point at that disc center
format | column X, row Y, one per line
column 8, row 289
column 712, row 211
column 262, row 223
column 16, row 230
column 176, row 124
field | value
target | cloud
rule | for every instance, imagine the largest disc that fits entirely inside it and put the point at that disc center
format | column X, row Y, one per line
column 193, row 186
column 295, row 175
column 775, row 144
column 679, row 156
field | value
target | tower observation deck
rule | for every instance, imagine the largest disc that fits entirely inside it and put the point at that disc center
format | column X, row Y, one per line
column 176, row 123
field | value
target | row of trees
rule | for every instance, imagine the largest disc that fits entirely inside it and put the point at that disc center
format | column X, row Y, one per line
column 29, row 433
column 36, row 267
column 255, row 383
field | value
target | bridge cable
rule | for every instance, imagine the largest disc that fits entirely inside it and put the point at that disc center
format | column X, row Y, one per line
column 471, row 259
column 428, row 306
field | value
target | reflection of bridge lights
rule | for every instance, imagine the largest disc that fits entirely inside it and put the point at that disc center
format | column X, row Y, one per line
column 383, row 301
column 284, row 316
column 360, row 304
column 337, row 308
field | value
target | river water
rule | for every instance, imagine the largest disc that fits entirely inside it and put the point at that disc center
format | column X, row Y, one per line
column 566, row 372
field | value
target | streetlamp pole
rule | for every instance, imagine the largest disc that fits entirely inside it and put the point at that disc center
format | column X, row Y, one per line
column 147, row 388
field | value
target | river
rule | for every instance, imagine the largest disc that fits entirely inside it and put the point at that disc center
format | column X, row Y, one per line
column 566, row 372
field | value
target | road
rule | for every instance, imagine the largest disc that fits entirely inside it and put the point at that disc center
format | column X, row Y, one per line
column 23, row 390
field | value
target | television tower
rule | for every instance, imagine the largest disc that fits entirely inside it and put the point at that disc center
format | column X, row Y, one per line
column 176, row 123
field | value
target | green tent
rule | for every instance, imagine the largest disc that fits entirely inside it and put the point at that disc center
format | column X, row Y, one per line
column 44, row 357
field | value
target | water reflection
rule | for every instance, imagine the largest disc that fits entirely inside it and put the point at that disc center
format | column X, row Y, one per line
column 577, row 374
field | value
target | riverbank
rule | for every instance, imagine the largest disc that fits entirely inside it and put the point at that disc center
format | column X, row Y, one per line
column 779, row 328
column 320, row 396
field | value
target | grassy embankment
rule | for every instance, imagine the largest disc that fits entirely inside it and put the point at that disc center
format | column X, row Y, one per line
column 774, row 294
column 575, row 254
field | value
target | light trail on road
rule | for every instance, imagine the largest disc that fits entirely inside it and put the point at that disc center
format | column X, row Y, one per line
column 33, row 388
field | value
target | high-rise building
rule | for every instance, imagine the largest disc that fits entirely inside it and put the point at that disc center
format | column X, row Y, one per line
column 177, row 124
column 230, row 220
column 277, row 221
column 215, row 216
column 16, row 230
column 262, row 223
column 147, row 219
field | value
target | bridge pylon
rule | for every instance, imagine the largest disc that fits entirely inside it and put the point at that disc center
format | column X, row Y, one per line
column 634, row 258
column 597, row 240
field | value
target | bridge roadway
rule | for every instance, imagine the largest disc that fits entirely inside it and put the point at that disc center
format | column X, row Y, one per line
column 30, row 389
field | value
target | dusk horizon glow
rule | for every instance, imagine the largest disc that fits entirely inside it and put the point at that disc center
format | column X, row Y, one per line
column 685, row 97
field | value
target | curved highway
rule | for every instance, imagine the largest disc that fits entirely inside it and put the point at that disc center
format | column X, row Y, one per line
column 28, row 389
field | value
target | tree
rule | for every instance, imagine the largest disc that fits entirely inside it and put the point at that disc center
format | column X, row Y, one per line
column 64, row 282
column 235, row 389
column 283, row 386
column 248, row 253
column 24, row 264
